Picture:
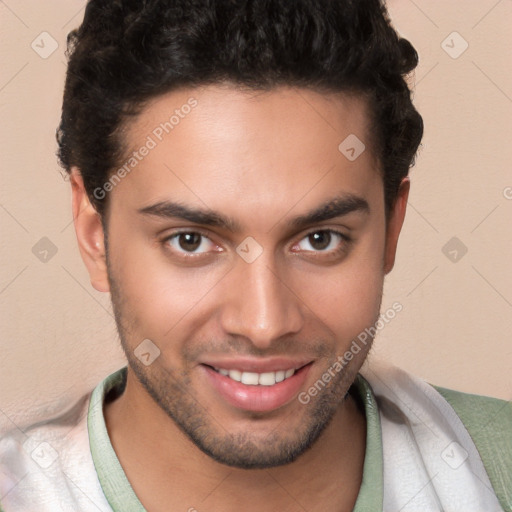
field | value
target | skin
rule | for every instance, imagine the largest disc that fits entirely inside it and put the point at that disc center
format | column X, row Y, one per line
column 261, row 159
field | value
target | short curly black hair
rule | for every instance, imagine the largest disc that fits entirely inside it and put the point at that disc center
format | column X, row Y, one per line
column 127, row 52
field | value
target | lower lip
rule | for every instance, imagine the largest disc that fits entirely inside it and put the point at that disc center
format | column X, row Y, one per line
column 257, row 398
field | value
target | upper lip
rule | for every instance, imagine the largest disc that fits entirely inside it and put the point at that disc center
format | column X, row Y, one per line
column 249, row 364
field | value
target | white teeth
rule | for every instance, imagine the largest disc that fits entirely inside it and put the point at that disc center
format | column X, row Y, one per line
column 254, row 379
column 235, row 375
column 267, row 379
column 250, row 378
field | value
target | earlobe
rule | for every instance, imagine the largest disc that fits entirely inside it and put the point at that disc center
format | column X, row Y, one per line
column 89, row 233
column 394, row 224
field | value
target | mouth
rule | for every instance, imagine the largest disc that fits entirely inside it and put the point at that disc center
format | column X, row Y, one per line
column 257, row 379
column 249, row 390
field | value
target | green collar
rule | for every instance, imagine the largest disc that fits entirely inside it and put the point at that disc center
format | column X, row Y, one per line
column 120, row 495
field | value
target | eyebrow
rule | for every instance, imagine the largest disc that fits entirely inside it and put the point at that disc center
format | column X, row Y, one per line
column 336, row 207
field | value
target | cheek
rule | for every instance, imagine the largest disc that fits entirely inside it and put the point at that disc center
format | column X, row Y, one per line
column 349, row 301
column 157, row 295
column 347, row 297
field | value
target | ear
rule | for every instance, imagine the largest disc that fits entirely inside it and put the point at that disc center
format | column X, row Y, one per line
column 394, row 224
column 89, row 233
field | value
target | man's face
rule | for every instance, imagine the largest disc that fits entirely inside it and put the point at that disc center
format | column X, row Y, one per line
column 266, row 295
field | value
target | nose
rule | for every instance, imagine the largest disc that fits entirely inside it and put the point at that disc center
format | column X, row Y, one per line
column 260, row 305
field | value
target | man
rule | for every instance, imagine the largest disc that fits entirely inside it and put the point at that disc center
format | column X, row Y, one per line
column 239, row 180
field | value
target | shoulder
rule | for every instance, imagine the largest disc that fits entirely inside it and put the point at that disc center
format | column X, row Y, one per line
column 487, row 419
column 481, row 425
column 479, row 411
column 489, row 423
column 48, row 463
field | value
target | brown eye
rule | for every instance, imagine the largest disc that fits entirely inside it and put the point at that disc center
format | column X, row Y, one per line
column 320, row 240
column 189, row 241
column 323, row 241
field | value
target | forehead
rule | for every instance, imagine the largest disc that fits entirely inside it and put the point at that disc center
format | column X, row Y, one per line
column 220, row 111
column 218, row 146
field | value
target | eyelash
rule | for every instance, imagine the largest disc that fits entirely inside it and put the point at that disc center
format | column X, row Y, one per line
column 345, row 241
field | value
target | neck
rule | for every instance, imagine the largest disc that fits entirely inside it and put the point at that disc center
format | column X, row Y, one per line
column 160, row 462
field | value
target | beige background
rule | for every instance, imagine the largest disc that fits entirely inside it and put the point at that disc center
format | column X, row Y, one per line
column 58, row 335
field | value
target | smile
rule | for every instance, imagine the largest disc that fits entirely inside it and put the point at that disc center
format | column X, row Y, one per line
column 257, row 379
column 250, row 384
